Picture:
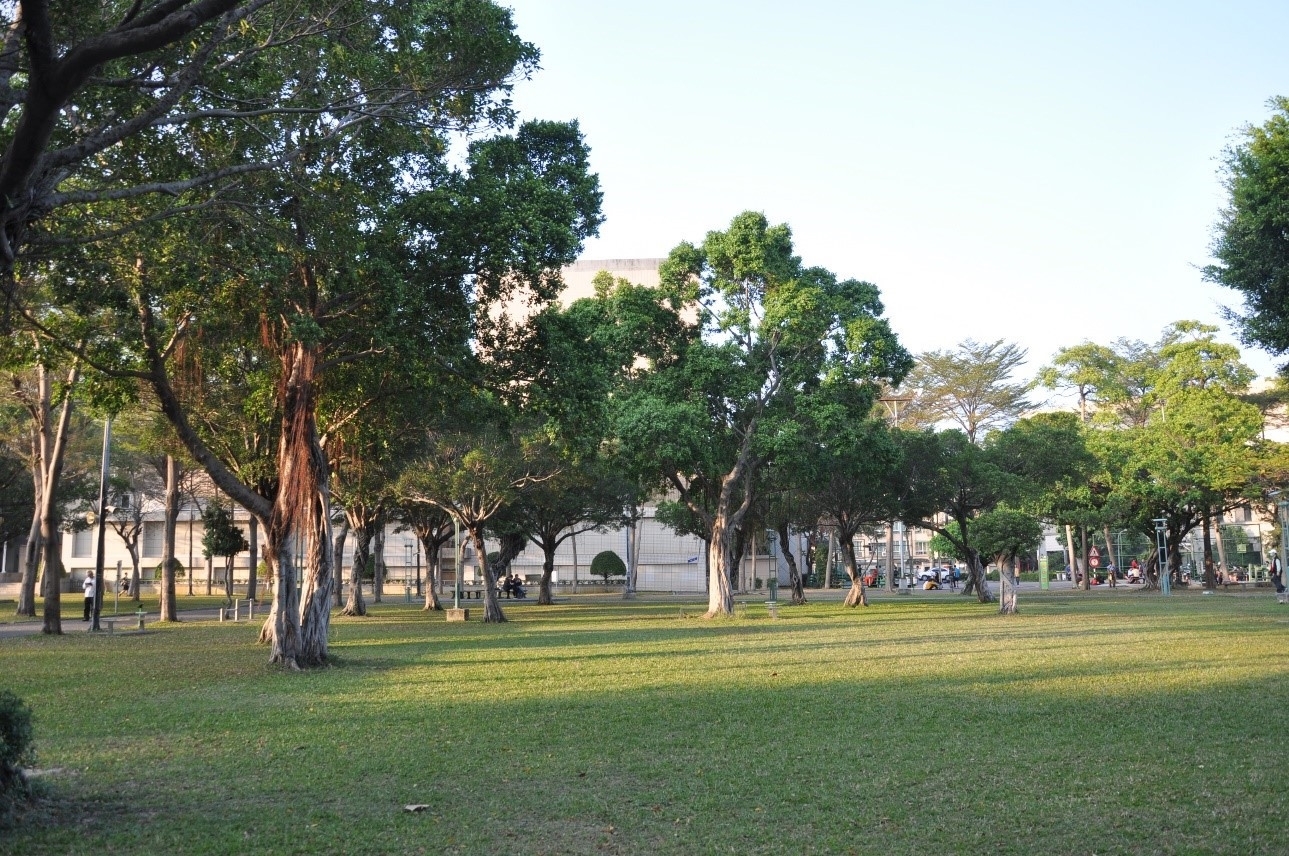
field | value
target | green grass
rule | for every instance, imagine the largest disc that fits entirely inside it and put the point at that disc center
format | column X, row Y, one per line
column 1105, row 723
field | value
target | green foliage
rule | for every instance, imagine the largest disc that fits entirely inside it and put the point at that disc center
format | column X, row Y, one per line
column 17, row 750
column 1005, row 533
column 608, row 564
column 159, row 570
column 1251, row 244
column 969, row 387
column 221, row 536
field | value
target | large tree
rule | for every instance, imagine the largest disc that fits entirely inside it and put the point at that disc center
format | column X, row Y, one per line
column 971, row 387
column 1251, row 241
column 1175, row 437
column 768, row 330
column 381, row 248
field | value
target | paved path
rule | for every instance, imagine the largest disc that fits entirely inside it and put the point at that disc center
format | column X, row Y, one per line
column 125, row 620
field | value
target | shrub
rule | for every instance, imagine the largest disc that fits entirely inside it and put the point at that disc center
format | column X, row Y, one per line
column 16, row 751
column 608, row 564
column 157, row 572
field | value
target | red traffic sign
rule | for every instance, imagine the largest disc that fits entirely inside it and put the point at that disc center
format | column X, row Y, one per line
column 1094, row 560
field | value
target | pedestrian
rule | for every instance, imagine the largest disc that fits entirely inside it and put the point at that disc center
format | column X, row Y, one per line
column 1277, row 577
column 88, row 585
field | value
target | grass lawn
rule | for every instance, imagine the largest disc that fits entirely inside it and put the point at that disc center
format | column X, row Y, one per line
column 1091, row 723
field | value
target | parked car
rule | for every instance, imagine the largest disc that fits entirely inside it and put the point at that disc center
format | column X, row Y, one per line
column 939, row 575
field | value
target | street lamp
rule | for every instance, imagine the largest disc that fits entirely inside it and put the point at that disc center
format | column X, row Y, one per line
column 1161, row 527
column 102, row 522
column 1282, row 506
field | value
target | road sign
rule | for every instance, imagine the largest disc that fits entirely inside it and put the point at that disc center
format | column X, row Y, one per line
column 1094, row 558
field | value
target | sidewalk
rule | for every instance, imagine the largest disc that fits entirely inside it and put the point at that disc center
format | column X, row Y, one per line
column 125, row 621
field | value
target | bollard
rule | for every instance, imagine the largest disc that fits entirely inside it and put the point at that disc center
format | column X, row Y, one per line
column 237, row 609
column 407, row 593
column 139, row 615
column 250, row 610
column 221, row 615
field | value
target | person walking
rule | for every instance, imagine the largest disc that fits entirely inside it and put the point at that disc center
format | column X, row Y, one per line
column 88, row 585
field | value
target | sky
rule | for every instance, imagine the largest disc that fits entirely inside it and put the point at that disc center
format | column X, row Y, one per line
column 1041, row 173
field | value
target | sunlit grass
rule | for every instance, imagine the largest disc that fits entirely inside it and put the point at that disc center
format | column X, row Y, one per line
column 1089, row 723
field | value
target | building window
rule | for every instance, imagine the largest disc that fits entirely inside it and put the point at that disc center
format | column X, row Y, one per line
column 153, row 538
column 82, row 543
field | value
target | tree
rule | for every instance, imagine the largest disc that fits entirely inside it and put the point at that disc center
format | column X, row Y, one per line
column 952, row 482
column 474, row 475
column 1251, row 241
column 80, row 93
column 608, row 564
column 1005, row 534
column 850, row 471
column 1174, row 436
column 970, row 387
column 585, row 496
column 220, row 537
column 768, row 329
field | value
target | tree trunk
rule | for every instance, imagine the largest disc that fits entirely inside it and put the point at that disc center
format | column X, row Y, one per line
column 363, row 528
column 492, row 613
column 228, row 579
column 298, row 626
column 976, row 576
column 544, row 597
column 432, row 575
column 1221, row 549
column 169, row 609
column 253, row 560
column 794, row 573
column 30, row 564
column 720, row 596
column 378, row 560
column 53, row 443
column 856, row 596
column 633, row 555
column 337, row 596
column 1074, row 561
column 573, row 545
column 1008, row 585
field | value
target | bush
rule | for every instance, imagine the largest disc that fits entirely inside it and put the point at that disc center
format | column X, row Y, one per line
column 608, row 564
column 158, row 573
column 16, row 751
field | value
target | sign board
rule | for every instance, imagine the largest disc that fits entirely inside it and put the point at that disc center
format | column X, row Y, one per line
column 1094, row 558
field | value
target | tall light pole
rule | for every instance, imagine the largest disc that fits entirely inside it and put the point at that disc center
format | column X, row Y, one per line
column 1161, row 541
column 1282, row 506
column 102, row 521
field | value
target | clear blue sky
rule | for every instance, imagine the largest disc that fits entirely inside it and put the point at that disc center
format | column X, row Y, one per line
column 1039, row 172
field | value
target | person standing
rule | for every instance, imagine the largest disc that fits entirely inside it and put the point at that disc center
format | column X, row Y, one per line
column 88, row 585
column 1277, row 577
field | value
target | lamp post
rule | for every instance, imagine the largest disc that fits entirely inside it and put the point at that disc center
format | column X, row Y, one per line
column 418, row 568
column 192, row 514
column 1161, row 541
column 456, row 574
column 102, row 522
column 1282, row 506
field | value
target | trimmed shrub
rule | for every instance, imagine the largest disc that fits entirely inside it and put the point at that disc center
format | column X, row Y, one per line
column 608, row 564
